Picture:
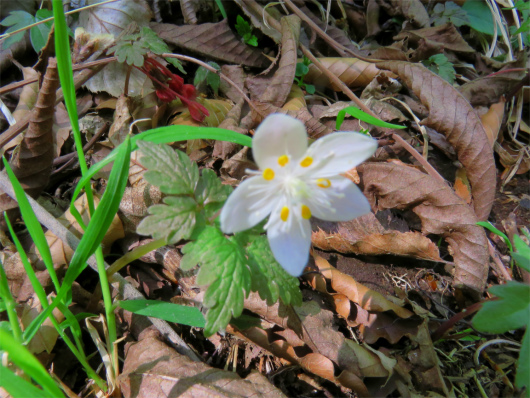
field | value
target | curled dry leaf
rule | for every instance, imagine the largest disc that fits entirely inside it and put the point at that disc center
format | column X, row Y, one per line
column 295, row 100
column 452, row 115
column 152, row 369
column 492, row 120
column 213, row 40
column 441, row 211
column 412, row 10
column 352, row 71
column 277, row 88
column 366, row 235
column 443, row 37
column 488, row 90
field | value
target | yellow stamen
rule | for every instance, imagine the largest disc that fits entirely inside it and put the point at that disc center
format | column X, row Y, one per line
column 306, row 162
column 284, row 214
column 283, row 160
column 268, row 174
column 323, row 183
column 306, row 212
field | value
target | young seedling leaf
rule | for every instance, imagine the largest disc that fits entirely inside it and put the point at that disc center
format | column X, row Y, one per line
column 357, row 113
column 449, row 12
column 16, row 20
column 172, row 171
column 224, row 268
column 170, row 312
column 173, row 221
column 489, row 226
column 245, row 31
column 441, row 65
column 39, row 34
column 522, row 253
column 269, row 279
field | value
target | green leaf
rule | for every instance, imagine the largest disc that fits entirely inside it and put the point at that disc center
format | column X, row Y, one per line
column 269, row 279
column 173, row 221
column 17, row 387
column 310, row 88
column 16, row 20
column 131, row 53
column 210, row 189
column 151, row 40
column 39, row 34
column 172, row 171
column 522, row 377
column 252, row 40
column 441, row 65
column 479, row 15
column 200, row 75
column 510, row 312
column 449, row 12
column 242, row 26
column 224, row 268
column 522, row 253
column 29, row 364
column 489, row 226
column 183, row 314
column 213, row 79
column 355, row 112
column 301, row 69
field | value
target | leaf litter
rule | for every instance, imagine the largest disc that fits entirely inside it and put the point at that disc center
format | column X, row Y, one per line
column 341, row 336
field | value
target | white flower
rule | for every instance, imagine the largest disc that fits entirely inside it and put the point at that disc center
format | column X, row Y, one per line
column 296, row 182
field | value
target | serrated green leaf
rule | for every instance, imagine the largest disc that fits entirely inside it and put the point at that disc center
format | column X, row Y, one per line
column 480, row 17
column 242, row 26
column 449, row 12
column 132, row 53
column 200, row 75
column 171, row 171
column 170, row 312
column 269, row 279
column 210, row 189
column 252, row 40
column 173, row 221
column 214, row 81
column 441, row 65
column 16, row 20
column 153, row 42
column 510, row 312
column 224, row 268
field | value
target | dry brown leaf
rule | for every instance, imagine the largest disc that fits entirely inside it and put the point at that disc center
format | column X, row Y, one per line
column 488, row 90
column 366, row 235
column 492, row 120
column 237, row 74
column 441, row 211
column 295, row 100
column 213, row 40
column 443, row 37
column 412, row 10
column 352, row 71
column 461, row 186
column 224, row 149
column 189, row 11
column 152, row 369
column 452, row 115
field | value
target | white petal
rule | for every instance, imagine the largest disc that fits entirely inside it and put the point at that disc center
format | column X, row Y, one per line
column 249, row 204
column 343, row 152
column 290, row 242
column 278, row 135
column 346, row 201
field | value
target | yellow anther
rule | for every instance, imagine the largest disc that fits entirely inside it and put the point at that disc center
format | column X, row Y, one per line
column 306, row 162
column 284, row 214
column 283, row 160
column 268, row 174
column 323, row 183
column 306, row 213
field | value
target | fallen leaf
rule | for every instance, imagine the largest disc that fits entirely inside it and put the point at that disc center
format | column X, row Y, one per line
column 152, row 369
column 461, row 186
column 443, row 37
column 452, row 115
column 213, row 40
column 352, row 71
column 492, row 120
column 441, row 211
column 412, row 11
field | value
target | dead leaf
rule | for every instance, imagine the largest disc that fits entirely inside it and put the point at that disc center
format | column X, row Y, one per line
column 441, row 211
column 443, row 37
column 352, row 71
column 213, row 40
column 152, row 369
column 488, row 90
column 412, row 11
column 453, row 116
column 492, row 120
column 366, row 235
column 461, row 186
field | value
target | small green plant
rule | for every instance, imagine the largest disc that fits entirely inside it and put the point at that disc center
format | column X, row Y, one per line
column 204, row 75
column 524, row 8
column 245, row 31
column 449, row 12
column 511, row 311
column 38, row 34
column 441, row 65
column 364, row 117
column 302, row 69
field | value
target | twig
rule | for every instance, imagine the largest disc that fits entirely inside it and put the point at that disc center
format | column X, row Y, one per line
column 124, row 288
column 426, row 165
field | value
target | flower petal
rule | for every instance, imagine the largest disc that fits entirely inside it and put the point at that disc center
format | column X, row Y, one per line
column 339, row 152
column 278, row 135
column 345, row 201
column 250, row 203
column 290, row 243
